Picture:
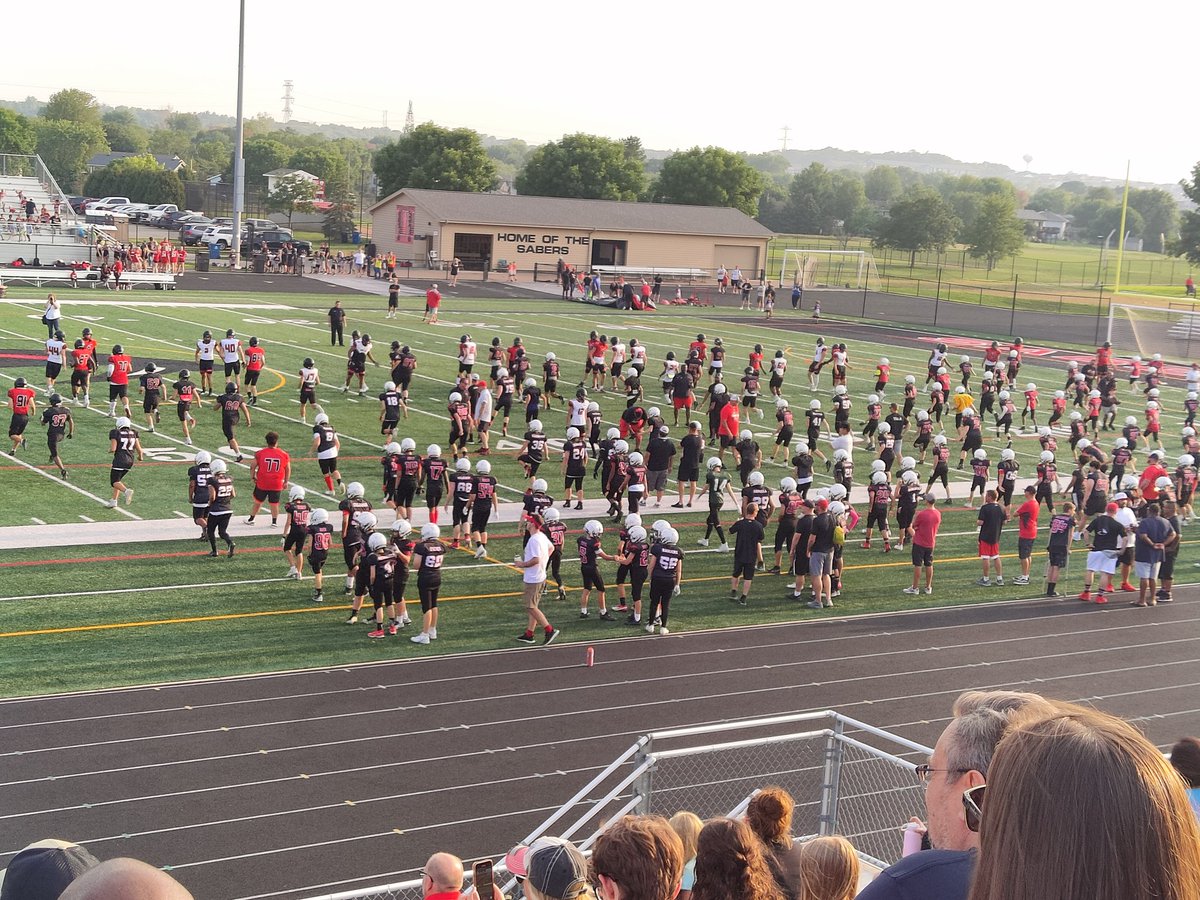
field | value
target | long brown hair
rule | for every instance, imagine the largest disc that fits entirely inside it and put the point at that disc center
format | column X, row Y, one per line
column 769, row 815
column 1080, row 806
column 731, row 864
column 828, row 869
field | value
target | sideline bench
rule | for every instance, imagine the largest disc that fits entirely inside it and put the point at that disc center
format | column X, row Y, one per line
column 84, row 277
column 666, row 271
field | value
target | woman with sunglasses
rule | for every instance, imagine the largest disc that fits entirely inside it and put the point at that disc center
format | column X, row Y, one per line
column 1080, row 806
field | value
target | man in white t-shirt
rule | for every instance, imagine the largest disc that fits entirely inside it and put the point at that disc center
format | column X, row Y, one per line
column 1128, row 518
column 537, row 557
column 483, row 417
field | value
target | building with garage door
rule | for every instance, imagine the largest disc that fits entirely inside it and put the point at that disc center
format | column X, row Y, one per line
column 494, row 229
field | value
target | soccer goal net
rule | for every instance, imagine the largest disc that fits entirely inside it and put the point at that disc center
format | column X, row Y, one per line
column 1146, row 330
column 853, row 269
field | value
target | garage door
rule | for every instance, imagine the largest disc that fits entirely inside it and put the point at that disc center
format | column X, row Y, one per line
column 732, row 255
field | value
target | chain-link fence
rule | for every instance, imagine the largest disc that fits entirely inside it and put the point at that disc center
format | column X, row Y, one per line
column 846, row 777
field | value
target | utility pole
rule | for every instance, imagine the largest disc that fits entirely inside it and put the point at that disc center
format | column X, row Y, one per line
column 287, row 101
column 239, row 164
column 409, row 121
column 786, row 129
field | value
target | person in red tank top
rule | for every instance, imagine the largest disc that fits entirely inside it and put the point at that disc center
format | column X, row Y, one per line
column 271, row 469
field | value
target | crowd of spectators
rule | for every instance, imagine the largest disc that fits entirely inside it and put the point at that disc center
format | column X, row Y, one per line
column 1026, row 798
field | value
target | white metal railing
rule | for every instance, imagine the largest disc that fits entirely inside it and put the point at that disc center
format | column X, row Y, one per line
column 20, row 165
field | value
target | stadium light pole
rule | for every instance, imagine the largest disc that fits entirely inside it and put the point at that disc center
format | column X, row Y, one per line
column 239, row 164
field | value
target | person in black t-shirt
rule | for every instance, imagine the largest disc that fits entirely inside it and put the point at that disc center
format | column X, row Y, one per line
column 59, row 424
column 748, row 533
column 337, row 324
column 991, row 519
column 691, row 447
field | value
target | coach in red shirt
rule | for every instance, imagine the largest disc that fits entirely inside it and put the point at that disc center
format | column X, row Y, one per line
column 925, row 529
column 1027, row 525
column 271, row 469
column 433, row 299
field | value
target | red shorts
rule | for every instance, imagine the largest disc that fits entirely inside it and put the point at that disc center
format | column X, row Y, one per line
column 681, row 402
column 626, row 429
column 987, row 551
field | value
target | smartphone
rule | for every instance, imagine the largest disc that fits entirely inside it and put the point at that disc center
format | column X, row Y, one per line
column 483, row 879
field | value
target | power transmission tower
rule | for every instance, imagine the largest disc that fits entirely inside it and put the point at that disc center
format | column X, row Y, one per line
column 786, row 129
column 409, row 122
column 287, row 101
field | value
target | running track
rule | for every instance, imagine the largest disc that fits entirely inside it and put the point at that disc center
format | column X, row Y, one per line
column 293, row 784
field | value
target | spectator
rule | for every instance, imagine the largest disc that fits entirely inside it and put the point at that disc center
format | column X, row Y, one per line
column 828, row 869
column 125, row 879
column 442, row 877
column 557, row 872
column 659, row 451
column 687, row 825
column 925, row 529
column 43, row 870
column 1152, row 537
column 820, row 556
column 961, row 760
column 1080, row 806
column 769, row 816
column 637, row 858
column 731, row 864
column 1185, row 757
column 691, row 448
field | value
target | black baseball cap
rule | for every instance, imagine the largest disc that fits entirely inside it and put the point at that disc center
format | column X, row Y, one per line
column 43, row 870
column 559, row 872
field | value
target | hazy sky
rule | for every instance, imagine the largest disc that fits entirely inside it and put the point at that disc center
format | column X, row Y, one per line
column 980, row 82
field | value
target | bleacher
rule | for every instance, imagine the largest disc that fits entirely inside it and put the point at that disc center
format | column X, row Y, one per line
column 27, row 175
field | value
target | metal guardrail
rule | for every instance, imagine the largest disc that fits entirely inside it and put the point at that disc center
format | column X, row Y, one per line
column 848, row 778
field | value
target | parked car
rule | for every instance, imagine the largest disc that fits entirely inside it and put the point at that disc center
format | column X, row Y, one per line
column 106, row 204
column 132, row 210
column 259, row 224
column 180, row 217
column 275, row 239
column 152, row 215
column 193, row 232
column 221, row 235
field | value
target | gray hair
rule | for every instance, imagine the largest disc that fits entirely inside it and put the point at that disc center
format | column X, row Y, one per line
column 981, row 719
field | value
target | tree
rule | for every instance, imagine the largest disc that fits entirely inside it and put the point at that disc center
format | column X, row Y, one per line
column 1188, row 244
column 919, row 220
column 435, row 158
column 773, row 165
column 1160, row 215
column 1053, row 200
column 72, row 105
column 140, row 178
column 882, row 185
column 810, row 200
column 709, row 177
column 321, row 160
column 848, row 201
column 126, row 137
column 1110, row 219
column 65, row 147
column 292, row 194
column 209, row 155
column 188, row 123
column 583, row 166
column 996, row 231
column 262, row 155
column 16, row 133
column 339, row 218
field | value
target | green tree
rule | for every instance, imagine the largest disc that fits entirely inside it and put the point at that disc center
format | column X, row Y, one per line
column 848, row 201
column 1053, row 200
column 321, row 160
column 292, row 194
column 140, row 178
column 188, row 123
column 1087, row 222
column 583, row 166
column 262, row 155
column 340, row 217
column 209, row 155
column 512, row 152
column 17, row 135
column 1110, row 218
column 432, row 157
column 709, row 177
column 65, row 147
column 919, row 220
column 996, row 231
column 810, row 201
column 1160, row 216
column 966, row 206
column 1078, row 188
column 169, row 142
column 882, row 185
column 1188, row 244
column 126, row 138
column 773, row 165
column 72, row 105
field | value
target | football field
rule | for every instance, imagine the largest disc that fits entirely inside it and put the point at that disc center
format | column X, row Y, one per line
column 115, row 607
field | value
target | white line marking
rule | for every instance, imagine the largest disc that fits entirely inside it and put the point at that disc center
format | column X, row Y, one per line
column 159, row 587
column 181, row 515
column 36, row 521
column 68, row 484
column 87, row 519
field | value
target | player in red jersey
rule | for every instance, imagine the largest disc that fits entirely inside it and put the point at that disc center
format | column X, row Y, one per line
column 256, row 358
column 21, row 401
column 120, row 365
column 271, row 470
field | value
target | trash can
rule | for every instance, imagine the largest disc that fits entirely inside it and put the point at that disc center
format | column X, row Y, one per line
column 214, row 251
column 201, row 262
column 356, row 237
column 260, row 264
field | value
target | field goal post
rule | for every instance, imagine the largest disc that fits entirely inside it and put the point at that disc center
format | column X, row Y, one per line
column 1146, row 330
column 828, row 268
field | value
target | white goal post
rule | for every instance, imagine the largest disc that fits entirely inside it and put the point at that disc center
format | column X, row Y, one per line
column 828, row 268
column 1146, row 330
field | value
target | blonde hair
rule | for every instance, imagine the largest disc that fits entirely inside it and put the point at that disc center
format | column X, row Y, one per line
column 687, row 825
column 828, row 869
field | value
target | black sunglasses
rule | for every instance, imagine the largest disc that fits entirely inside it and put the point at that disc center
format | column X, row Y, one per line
column 973, row 805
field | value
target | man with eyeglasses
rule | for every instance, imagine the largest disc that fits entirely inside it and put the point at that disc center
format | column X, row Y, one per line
column 442, row 877
column 959, row 763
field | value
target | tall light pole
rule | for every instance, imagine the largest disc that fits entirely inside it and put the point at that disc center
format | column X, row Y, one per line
column 239, row 164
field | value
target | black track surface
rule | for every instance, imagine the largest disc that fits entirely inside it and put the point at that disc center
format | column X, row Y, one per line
column 298, row 784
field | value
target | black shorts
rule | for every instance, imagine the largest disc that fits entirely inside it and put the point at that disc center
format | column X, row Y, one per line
column 18, row 425
column 1167, row 569
column 308, row 394
column 261, row 494
column 1058, row 558
column 349, row 551
column 615, row 369
column 428, row 592
column 1024, row 548
column 550, row 386
column 294, row 540
column 922, row 556
column 227, row 426
column 389, row 425
column 688, row 473
column 784, row 534
column 200, row 512
column 480, row 514
column 328, row 466
column 573, row 482
column 972, row 442
column 361, row 581
column 78, row 378
column 743, row 570
column 458, row 514
column 393, row 301
column 232, row 368
column 406, row 489
column 117, row 390
column 904, row 517
column 183, row 410
column 784, row 437
column 251, row 376
column 53, row 369
column 728, row 440
column 877, row 517
column 206, row 365
column 316, row 561
column 115, row 475
column 359, row 369
column 750, row 401
column 776, row 382
column 592, row 579
column 52, row 440
column 150, row 404
column 1126, row 557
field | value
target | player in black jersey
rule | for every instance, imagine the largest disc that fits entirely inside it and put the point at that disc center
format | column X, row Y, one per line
column 352, row 536
column 220, row 507
column 428, row 556
column 150, row 386
column 59, row 424
column 433, row 479
column 124, row 445
column 232, row 407
column 295, row 526
column 320, row 540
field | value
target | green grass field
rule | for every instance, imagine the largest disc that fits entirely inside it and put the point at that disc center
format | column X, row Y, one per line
column 85, row 616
